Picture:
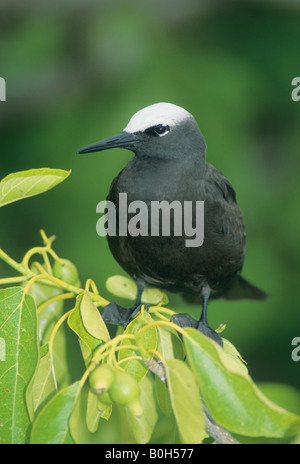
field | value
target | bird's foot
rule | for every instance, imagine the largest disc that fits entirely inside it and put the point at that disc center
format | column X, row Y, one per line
column 185, row 320
column 209, row 332
column 117, row 315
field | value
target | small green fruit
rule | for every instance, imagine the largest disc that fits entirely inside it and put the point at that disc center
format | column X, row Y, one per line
column 125, row 389
column 66, row 271
column 101, row 379
column 105, row 400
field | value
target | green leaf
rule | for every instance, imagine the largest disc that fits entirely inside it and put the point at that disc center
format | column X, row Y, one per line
column 92, row 320
column 18, row 329
column 148, row 341
column 49, row 315
column 44, row 384
column 142, row 427
column 163, row 397
column 105, row 410
column 93, row 414
column 169, row 345
column 26, row 184
column 86, row 321
column 47, row 318
column 95, row 411
column 186, row 402
column 284, row 395
column 234, row 357
column 52, row 424
column 76, row 425
column 232, row 398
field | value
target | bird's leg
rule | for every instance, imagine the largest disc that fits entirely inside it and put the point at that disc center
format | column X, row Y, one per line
column 185, row 320
column 203, row 326
column 205, row 297
column 132, row 312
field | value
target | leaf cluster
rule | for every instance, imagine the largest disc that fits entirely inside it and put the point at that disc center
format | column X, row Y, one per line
column 203, row 390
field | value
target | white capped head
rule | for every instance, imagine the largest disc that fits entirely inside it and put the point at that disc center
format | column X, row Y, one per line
column 161, row 131
column 160, row 113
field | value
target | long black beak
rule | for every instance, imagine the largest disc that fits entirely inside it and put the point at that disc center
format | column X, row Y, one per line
column 123, row 140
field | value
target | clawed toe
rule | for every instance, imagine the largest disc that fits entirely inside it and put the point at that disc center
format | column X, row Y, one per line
column 117, row 315
column 185, row 320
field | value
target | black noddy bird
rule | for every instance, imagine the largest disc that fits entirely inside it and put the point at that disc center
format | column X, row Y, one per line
column 169, row 164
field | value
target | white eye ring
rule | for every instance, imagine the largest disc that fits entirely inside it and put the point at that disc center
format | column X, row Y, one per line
column 159, row 130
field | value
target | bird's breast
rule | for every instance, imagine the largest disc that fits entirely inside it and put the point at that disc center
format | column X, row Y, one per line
column 172, row 253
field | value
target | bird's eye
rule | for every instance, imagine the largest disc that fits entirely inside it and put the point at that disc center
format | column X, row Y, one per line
column 158, row 130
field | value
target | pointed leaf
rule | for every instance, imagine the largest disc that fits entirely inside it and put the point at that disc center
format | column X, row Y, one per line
column 148, row 341
column 170, row 345
column 52, row 424
column 233, row 400
column 185, row 400
column 142, row 427
column 86, row 311
column 44, row 384
column 284, row 395
column 18, row 329
column 47, row 318
column 163, row 397
column 92, row 320
column 93, row 414
column 26, row 184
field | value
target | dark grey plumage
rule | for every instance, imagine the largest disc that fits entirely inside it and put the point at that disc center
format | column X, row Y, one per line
column 169, row 164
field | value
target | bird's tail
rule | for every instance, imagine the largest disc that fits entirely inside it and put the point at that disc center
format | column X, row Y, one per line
column 242, row 289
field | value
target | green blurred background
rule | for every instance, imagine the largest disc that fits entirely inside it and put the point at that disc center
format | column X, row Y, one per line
column 77, row 70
